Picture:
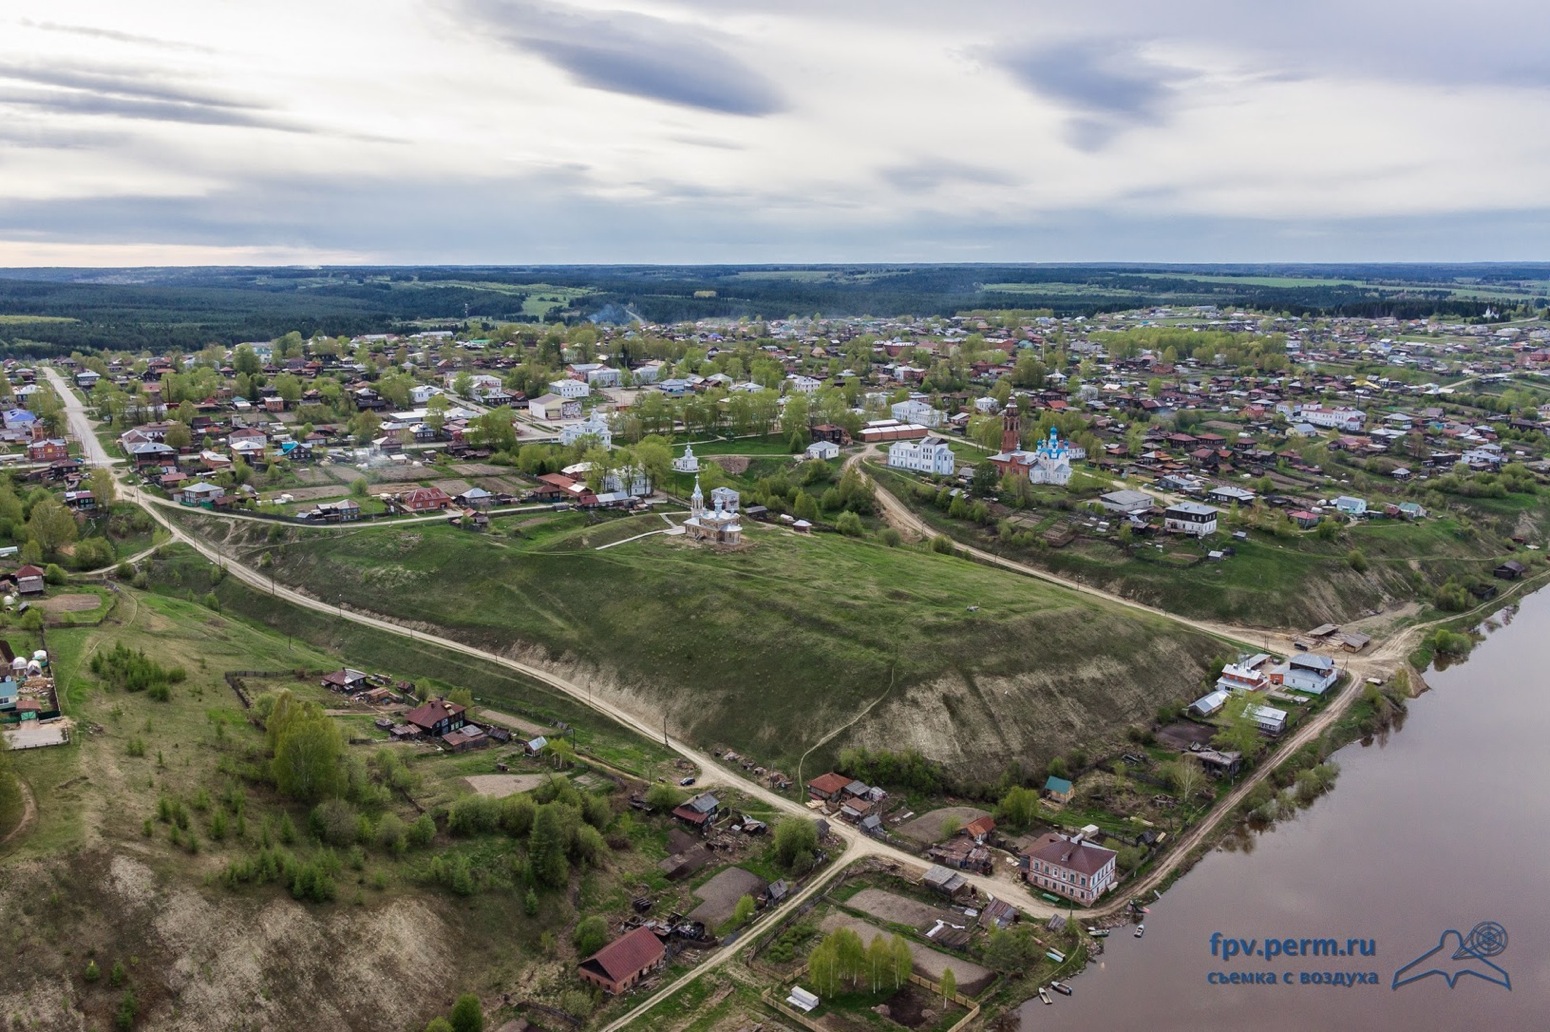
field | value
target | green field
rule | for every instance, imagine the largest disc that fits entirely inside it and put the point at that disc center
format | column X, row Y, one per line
column 770, row 649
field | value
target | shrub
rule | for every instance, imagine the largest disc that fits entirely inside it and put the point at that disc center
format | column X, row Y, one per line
column 333, row 821
column 590, row 936
column 128, row 1008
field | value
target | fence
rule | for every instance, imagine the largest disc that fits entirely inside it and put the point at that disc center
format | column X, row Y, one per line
column 772, row 999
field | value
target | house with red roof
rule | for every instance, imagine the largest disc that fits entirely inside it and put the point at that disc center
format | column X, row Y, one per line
column 827, row 787
column 1069, row 866
column 424, row 499
column 621, row 964
column 436, row 717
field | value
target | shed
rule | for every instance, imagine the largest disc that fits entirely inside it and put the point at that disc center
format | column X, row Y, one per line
column 1509, row 570
column 802, row 1000
column 949, row 883
column 1206, row 705
column 1058, row 789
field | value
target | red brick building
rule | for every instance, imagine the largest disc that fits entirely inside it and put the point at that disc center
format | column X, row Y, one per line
column 624, row 962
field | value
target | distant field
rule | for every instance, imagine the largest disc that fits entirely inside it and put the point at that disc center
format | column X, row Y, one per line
column 1258, row 281
column 13, row 320
column 769, row 649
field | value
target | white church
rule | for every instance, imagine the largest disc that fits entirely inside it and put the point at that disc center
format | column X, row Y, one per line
column 721, row 524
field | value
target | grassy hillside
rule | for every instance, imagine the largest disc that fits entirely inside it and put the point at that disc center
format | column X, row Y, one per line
column 1296, row 582
column 123, row 886
column 771, row 649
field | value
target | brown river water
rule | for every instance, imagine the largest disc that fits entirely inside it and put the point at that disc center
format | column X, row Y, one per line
column 1442, row 827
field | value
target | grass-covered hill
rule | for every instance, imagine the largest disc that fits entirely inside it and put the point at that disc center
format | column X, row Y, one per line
column 770, row 649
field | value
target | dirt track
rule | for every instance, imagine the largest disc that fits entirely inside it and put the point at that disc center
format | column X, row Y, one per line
column 1002, row 883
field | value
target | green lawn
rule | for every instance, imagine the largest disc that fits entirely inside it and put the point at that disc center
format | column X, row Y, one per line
column 769, row 649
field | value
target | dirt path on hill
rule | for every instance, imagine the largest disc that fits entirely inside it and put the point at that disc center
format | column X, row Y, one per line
column 29, row 815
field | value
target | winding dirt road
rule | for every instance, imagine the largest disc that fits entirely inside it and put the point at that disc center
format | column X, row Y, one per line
column 1001, row 884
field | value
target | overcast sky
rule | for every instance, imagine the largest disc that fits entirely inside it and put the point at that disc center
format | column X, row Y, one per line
column 508, row 131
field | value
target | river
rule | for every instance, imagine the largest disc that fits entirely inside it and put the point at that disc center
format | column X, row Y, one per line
column 1445, row 825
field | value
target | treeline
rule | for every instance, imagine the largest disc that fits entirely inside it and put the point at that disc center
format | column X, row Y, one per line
column 169, row 309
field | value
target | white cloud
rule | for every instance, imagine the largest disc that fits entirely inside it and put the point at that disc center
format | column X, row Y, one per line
column 640, row 130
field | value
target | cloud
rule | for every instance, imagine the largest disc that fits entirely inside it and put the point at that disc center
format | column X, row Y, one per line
column 926, row 175
column 116, row 36
column 632, row 54
column 63, row 89
column 1106, row 86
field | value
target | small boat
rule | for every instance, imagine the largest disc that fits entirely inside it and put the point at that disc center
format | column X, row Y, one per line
column 1098, row 933
column 1140, row 930
column 1061, row 988
column 1135, row 905
column 1045, row 996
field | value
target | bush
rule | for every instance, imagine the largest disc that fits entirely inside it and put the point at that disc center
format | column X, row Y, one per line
column 474, row 815
column 128, row 1009
column 590, row 936
column 334, row 822
column 943, row 545
column 467, row 1014
column 423, row 831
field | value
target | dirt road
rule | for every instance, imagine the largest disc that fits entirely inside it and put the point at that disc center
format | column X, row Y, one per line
column 1001, row 884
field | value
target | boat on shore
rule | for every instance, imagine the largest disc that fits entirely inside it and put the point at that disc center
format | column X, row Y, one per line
column 1098, row 933
column 1045, row 996
column 1061, row 988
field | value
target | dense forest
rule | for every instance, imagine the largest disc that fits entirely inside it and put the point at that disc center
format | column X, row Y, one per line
column 47, row 310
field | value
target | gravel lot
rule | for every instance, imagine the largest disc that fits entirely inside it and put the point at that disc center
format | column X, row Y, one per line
column 927, row 828
column 721, row 893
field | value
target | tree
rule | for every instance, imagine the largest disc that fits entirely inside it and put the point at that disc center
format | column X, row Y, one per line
column 52, row 526
column 1238, row 731
column 1357, row 559
column 546, row 846
column 467, row 1014
column 103, row 487
column 794, row 417
column 849, row 524
column 796, row 843
column 805, row 507
column 744, row 911
column 949, row 986
column 1019, row 807
column 306, row 759
column 1186, row 777
column 493, row 429
column 662, row 796
column 1008, row 951
column 903, row 960
column 823, row 968
column 245, row 360
column 879, row 962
